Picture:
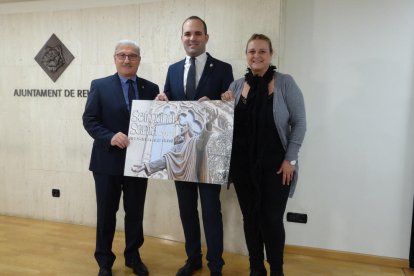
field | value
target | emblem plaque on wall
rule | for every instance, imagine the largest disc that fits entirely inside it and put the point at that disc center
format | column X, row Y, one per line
column 54, row 57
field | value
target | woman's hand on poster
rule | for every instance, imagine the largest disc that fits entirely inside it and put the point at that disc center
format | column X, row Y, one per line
column 227, row 96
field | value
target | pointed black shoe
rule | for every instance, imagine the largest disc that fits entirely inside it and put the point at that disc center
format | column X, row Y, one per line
column 105, row 272
column 138, row 267
column 189, row 268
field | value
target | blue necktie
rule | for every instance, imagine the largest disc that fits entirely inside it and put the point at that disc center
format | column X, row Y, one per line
column 191, row 81
column 131, row 93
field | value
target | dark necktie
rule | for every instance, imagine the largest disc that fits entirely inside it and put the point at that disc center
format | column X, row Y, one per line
column 131, row 92
column 191, row 80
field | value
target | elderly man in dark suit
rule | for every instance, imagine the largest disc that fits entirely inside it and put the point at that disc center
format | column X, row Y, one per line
column 198, row 77
column 106, row 119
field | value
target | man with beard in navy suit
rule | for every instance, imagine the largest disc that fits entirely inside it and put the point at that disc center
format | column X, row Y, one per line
column 198, row 77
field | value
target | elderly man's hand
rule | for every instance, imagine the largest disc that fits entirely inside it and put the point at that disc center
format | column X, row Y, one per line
column 161, row 97
column 120, row 140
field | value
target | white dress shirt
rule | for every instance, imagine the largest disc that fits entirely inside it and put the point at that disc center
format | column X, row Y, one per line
column 200, row 62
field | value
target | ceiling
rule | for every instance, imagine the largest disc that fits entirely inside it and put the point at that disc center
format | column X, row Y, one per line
column 14, row 1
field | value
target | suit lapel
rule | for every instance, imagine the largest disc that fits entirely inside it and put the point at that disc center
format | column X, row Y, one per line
column 180, row 79
column 141, row 89
column 208, row 69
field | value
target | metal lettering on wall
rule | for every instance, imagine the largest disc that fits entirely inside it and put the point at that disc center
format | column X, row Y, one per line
column 54, row 57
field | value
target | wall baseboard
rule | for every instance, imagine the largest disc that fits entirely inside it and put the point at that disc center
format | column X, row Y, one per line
column 347, row 256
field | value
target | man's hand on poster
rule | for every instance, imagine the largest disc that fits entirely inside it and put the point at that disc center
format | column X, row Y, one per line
column 204, row 98
column 120, row 140
column 161, row 97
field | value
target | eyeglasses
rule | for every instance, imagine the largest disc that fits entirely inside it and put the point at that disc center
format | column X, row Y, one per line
column 131, row 57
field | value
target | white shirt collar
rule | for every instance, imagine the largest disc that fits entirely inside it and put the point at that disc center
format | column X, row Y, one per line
column 201, row 58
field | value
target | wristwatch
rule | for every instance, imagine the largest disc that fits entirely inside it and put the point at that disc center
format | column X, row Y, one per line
column 293, row 162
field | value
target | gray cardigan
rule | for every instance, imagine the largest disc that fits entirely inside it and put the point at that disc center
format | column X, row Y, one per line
column 289, row 114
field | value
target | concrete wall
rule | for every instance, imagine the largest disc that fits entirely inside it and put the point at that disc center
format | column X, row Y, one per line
column 44, row 144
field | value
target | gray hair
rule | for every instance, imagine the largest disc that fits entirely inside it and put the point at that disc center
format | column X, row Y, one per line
column 130, row 43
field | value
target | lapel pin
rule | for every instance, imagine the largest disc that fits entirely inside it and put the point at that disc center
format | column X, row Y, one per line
column 211, row 64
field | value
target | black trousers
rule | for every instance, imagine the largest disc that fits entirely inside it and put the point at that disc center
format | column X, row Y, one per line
column 187, row 193
column 262, row 216
column 108, row 194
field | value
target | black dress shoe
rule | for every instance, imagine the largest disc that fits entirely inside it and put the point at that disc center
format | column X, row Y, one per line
column 274, row 273
column 189, row 268
column 105, row 272
column 217, row 273
column 258, row 273
column 138, row 267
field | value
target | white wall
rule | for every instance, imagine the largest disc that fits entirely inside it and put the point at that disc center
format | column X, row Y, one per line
column 44, row 145
column 354, row 61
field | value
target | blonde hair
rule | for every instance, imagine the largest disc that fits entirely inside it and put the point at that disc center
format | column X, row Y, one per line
column 260, row 37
